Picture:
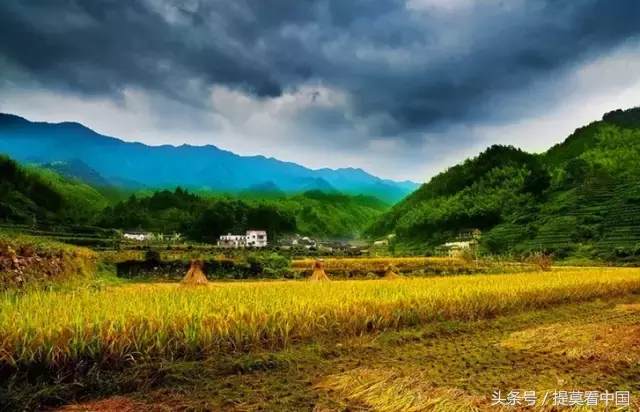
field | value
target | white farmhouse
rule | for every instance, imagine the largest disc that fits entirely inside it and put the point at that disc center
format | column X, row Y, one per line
column 234, row 241
column 134, row 236
column 256, row 238
column 253, row 238
column 138, row 236
column 305, row 242
column 457, row 249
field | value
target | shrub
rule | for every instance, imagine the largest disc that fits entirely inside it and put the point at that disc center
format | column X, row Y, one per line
column 276, row 261
column 287, row 273
column 255, row 265
column 563, row 252
column 269, row 273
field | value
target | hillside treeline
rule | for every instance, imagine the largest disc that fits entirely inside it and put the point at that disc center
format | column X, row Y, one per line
column 33, row 196
column 29, row 195
column 581, row 198
column 204, row 218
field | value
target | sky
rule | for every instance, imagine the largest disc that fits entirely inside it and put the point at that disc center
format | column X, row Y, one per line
column 400, row 88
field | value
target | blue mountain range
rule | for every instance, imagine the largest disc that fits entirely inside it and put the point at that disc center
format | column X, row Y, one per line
column 75, row 150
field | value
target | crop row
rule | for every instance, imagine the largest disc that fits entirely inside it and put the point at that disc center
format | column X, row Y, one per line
column 378, row 265
column 140, row 322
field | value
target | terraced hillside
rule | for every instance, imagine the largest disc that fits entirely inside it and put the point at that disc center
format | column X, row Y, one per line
column 574, row 218
column 621, row 229
column 580, row 199
column 88, row 236
column 600, row 219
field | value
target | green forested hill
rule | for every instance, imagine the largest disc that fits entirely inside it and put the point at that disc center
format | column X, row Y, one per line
column 37, row 196
column 479, row 193
column 206, row 217
column 29, row 194
column 333, row 215
column 580, row 198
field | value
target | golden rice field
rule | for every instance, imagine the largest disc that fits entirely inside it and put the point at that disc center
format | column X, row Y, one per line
column 171, row 321
column 364, row 265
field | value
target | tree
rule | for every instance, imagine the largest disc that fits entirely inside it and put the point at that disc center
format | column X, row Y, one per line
column 537, row 182
column 575, row 171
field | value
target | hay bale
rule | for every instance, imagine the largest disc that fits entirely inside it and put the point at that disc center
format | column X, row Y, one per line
column 318, row 271
column 391, row 275
column 13, row 256
column 195, row 275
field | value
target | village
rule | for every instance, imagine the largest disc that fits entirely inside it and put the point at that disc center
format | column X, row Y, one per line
column 253, row 239
column 463, row 244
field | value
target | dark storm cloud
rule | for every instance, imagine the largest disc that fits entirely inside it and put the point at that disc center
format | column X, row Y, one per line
column 404, row 69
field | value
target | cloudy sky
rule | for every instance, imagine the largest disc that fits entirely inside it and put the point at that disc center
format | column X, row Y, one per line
column 400, row 88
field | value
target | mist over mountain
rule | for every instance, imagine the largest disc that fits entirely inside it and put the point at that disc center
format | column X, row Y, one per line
column 76, row 150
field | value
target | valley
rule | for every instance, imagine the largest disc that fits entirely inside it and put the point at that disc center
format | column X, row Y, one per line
column 319, row 206
column 529, row 307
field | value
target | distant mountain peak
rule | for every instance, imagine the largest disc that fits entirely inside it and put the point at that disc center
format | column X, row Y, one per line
column 168, row 166
column 11, row 119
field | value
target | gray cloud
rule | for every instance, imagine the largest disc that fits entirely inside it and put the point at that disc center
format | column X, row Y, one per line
column 405, row 68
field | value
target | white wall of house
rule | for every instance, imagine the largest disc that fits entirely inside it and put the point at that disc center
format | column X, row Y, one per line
column 256, row 238
column 140, row 237
column 151, row 237
column 457, row 249
column 460, row 245
column 253, row 238
column 234, row 241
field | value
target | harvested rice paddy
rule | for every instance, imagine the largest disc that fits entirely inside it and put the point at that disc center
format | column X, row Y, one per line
column 442, row 343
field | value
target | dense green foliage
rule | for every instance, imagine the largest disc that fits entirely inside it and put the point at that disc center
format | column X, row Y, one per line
column 31, row 194
column 579, row 199
column 41, row 201
column 205, row 218
column 478, row 193
column 80, row 202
